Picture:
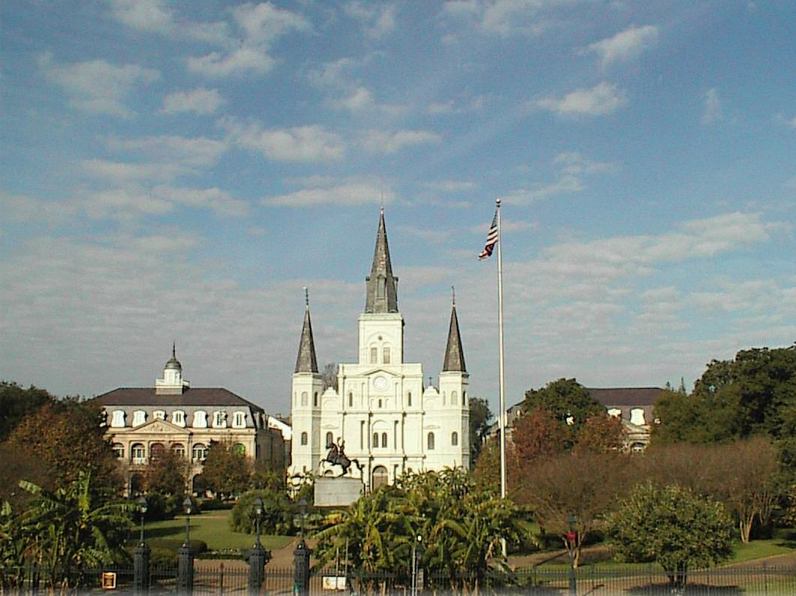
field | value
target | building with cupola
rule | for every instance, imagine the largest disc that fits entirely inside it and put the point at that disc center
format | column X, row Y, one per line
column 143, row 422
column 382, row 413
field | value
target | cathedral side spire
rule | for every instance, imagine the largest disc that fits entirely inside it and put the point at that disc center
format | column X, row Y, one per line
column 306, row 360
column 381, row 284
column 454, row 354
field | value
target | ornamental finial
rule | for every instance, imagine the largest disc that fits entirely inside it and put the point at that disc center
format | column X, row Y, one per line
column 306, row 297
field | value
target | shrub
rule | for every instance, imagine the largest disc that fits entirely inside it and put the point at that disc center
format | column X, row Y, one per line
column 276, row 518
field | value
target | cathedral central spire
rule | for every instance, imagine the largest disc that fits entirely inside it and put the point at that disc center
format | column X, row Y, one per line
column 454, row 354
column 381, row 284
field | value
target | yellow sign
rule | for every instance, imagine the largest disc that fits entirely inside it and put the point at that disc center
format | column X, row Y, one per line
column 108, row 580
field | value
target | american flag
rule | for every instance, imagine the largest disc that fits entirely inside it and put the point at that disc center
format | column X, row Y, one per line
column 491, row 239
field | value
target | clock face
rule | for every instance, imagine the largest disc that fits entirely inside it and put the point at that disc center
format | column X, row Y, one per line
column 380, row 383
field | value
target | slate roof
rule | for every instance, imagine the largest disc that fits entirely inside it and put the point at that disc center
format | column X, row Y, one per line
column 626, row 396
column 198, row 396
column 454, row 354
column 381, row 284
column 306, row 361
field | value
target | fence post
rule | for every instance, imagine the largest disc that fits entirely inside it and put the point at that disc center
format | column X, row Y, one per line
column 141, row 568
column 185, row 569
column 301, row 576
column 257, row 559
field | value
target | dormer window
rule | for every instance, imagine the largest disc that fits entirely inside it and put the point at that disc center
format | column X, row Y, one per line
column 159, row 415
column 117, row 418
column 220, row 419
column 200, row 419
column 139, row 417
column 239, row 420
column 178, row 418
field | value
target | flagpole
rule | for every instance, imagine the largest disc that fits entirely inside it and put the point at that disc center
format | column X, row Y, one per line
column 502, row 425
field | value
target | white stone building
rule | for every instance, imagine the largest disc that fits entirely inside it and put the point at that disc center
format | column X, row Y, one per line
column 387, row 419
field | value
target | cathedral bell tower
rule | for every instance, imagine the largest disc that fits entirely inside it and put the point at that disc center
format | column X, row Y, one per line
column 453, row 385
column 307, row 388
column 381, row 326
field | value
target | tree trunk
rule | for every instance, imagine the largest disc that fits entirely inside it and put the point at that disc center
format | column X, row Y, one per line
column 745, row 527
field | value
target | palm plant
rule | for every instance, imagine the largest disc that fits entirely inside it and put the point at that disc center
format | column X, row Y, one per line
column 75, row 527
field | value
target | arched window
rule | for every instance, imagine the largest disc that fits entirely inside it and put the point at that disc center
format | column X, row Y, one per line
column 315, row 399
column 304, row 438
column 329, row 439
column 454, row 398
column 199, row 452
column 156, row 451
column 380, row 477
column 409, row 399
column 118, row 450
column 384, row 440
column 350, row 399
column 430, row 441
column 386, row 355
column 138, row 453
column 455, row 439
column 178, row 449
column 374, row 355
column 304, row 398
column 239, row 449
column 375, row 440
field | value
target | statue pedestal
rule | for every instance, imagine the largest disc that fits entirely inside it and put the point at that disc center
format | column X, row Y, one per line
column 337, row 492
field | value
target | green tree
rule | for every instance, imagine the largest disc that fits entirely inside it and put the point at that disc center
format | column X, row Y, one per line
column 226, row 471
column 17, row 402
column 276, row 517
column 76, row 526
column 578, row 486
column 566, row 399
column 68, row 437
column 167, row 474
column 480, row 420
column 673, row 527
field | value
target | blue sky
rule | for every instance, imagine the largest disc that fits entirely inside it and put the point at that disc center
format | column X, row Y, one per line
column 180, row 170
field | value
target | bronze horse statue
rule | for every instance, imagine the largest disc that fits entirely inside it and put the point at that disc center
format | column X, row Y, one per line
column 336, row 455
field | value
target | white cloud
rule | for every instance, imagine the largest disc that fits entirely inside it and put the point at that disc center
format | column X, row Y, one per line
column 172, row 149
column 600, row 100
column 215, row 199
column 261, row 25
column 359, row 99
column 24, row 208
column 506, row 17
column 125, row 172
column 712, row 107
column 198, row 101
column 450, row 185
column 625, row 45
column 143, row 15
column 96, row 85
column 327, row 192
column 377, row 20
column 378, row 141
column 792, row 122
column 573, row 167
column 300, row 143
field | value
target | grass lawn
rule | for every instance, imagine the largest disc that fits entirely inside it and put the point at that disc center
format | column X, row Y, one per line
column 783, row 542
column 213, row 528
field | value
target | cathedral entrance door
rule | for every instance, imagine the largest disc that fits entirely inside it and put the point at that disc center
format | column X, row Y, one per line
column 379, row 477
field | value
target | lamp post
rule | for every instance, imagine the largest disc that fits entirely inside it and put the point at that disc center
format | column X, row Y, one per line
column 185, row 555
column 141, row 555
column 572, row 541
column 301, row 557
column 257, row 555
column 417, row 577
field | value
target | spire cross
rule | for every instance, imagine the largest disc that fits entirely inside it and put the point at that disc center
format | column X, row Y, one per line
column 173, row 349
column 453, row 295
column 306, row 297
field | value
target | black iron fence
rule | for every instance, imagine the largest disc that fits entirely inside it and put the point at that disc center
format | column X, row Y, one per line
column 234, row 577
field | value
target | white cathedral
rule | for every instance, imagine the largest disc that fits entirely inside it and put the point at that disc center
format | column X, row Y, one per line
column 382, row 414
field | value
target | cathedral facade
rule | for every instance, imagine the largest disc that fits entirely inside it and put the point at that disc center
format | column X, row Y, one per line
column 382, row 415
